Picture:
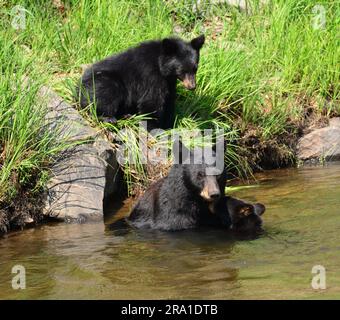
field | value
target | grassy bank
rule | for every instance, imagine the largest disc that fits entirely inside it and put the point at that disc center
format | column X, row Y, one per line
column 26, row 149
column 265, row 76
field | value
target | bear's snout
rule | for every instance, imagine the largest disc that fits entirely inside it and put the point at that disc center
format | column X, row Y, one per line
column 211, row 191
column 215, row 195
column 189, row 81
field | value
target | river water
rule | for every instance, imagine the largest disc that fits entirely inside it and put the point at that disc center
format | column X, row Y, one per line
column 92, row 261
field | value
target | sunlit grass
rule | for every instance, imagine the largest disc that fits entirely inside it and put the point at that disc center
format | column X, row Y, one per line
column 259, row 69
column 26, row 148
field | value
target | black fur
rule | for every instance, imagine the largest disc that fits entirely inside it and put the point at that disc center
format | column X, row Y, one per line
column 178, row 202
column 142, row 80
column 175, row 202
column 245, row 217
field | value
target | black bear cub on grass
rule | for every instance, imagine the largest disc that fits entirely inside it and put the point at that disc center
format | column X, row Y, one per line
column 142, row 80
column 189, row 198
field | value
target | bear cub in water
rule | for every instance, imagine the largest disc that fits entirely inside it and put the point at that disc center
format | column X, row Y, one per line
column 142, row 80
column 188, row 198
column 244, row 217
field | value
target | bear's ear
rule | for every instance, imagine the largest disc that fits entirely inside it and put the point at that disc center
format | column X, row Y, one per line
column 169, row 46
column 198, row 42
column 180, row 151
column 259, row 209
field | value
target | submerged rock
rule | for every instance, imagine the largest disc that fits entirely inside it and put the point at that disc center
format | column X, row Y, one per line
column 86, row 174
column 321, row 144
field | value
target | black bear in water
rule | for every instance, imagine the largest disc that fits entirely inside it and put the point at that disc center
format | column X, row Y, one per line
column 245, row 217
column 189, row 198
column 142, row 80
column 186, row 197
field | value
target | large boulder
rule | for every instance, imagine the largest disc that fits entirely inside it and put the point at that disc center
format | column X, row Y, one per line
column 321, row 144
column 86, row 174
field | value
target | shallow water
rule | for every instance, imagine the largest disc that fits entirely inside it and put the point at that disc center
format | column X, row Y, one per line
column 302, row 224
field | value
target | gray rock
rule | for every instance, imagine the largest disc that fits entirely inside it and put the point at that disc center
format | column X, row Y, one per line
column 321, row 144
column 86, row 174
column 334, row 122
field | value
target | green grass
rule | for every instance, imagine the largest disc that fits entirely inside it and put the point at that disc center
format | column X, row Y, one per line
column 258, row 73
column 26, row 149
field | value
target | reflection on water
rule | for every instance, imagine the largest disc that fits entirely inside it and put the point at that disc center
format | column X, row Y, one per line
column 302, row 224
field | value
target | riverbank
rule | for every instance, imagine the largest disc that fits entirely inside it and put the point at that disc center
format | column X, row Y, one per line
column 266, row 77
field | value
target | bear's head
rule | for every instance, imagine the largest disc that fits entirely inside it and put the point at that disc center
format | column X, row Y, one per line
column 202, row 170
column 245, row 217
column 180, row 59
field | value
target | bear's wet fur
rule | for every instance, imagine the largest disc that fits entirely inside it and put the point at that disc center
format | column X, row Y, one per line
column 245, row 217
column 184, row 199
column 142, row 80
column 188, row 198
